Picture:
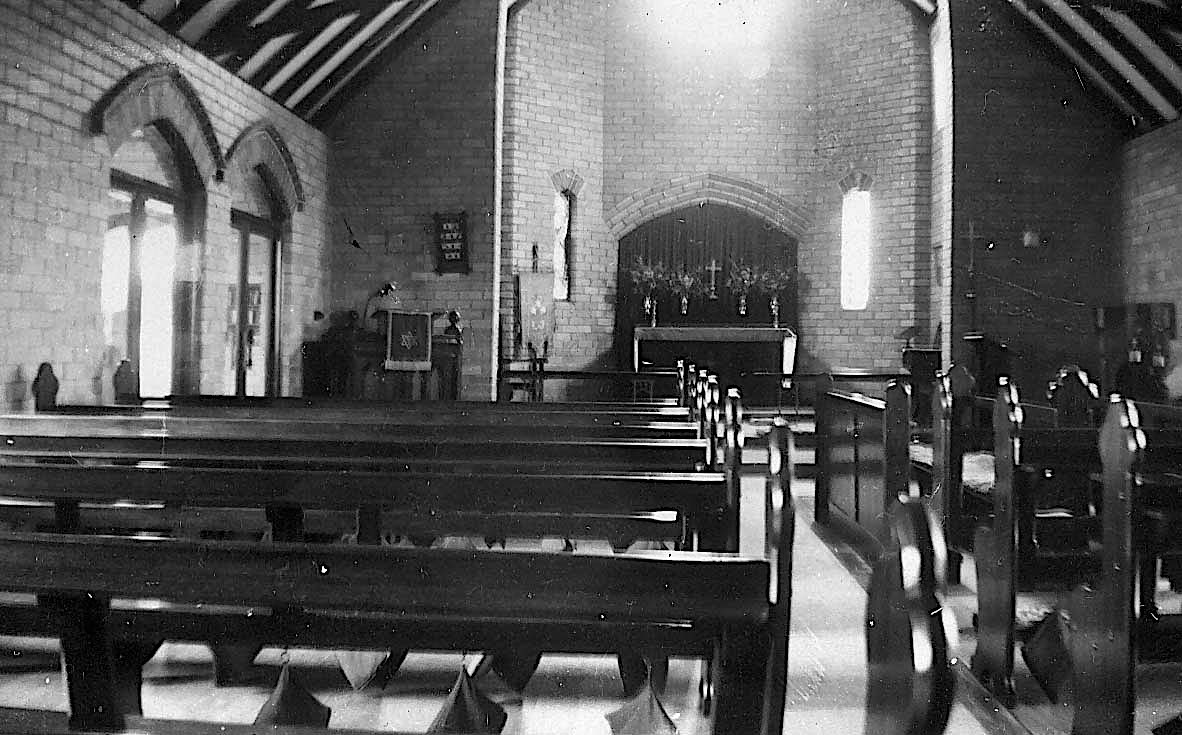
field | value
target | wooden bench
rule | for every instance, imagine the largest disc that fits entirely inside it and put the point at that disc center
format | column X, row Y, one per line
column 689, row 602
column 862, row 461
column 293, row 417
column 288, row 433
column 956, row 469
column 1106, row 627
column 1037, row 532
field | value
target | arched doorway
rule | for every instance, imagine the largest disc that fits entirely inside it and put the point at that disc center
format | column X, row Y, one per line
column 706, row 239
column 150, row 217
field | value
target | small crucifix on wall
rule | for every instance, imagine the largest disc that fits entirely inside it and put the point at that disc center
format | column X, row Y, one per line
column 714, row 269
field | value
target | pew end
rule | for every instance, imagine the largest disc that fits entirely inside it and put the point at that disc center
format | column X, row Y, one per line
column 910, row 635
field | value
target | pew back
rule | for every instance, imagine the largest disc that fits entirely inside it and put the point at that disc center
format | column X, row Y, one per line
column 690, row 601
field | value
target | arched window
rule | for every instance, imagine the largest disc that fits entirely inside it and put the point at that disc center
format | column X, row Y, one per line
column 856, row 242
column 567, row 185
column 145, row 259
column 252, row 335
column 564, row 214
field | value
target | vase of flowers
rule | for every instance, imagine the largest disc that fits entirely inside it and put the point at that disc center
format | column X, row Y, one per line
column 684, row 283
column 773, row 282
column 650, row 309
column 741, row 279
column 647, row 279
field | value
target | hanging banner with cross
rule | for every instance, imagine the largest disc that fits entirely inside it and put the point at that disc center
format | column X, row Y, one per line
column 535, row 292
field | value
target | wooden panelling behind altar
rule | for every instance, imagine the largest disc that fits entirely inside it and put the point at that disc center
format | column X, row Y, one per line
column 711, row 243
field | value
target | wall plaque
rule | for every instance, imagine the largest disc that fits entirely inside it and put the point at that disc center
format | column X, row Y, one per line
column 451, row 242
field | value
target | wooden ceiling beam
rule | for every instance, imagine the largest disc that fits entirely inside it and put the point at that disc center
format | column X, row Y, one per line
column 1163, row 70
column 1115, row 59
column 247, row 37
column 1081, row 63
column 155, row 9
column 365, row 55
column 194, row 18
column 274, row 81
column 330, row 58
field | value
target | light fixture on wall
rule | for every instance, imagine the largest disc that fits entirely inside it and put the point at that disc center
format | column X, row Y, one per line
column 386, row 299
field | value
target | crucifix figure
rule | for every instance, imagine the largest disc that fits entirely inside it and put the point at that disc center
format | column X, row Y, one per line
column 714, row 269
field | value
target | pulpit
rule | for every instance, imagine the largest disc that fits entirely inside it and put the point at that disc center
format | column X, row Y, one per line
column 736, row 354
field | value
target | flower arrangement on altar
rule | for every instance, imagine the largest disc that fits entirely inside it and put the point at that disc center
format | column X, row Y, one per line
column 774, row 282
column 740, row 281
column 648, row 279
column 685, row 283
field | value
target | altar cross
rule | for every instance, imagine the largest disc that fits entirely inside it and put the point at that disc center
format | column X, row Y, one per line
column 714, row 269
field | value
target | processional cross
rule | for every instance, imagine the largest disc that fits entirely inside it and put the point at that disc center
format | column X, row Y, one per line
column 714, row 269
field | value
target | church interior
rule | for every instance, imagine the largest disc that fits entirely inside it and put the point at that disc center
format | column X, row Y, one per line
column 629, row 366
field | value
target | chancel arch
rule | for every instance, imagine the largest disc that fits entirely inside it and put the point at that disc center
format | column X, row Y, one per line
column 679, row 192
column 709, row 242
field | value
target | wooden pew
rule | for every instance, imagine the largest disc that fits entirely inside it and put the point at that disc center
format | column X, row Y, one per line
column 439, row 442
column 1023, row 543
column 862, row 461
column 620, row 526
column 958, row 473
column 1139, row 521
column 688, row 602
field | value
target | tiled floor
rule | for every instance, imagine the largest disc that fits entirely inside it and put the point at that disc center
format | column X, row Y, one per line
column 569, row 694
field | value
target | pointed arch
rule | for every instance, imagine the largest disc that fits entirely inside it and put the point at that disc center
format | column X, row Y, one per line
column 642, row 206
column 160, row 92
column 261, row 145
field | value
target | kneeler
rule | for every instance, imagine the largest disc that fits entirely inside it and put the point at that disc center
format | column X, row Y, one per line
column 643, row 715
column 1048, row 656
column 369, row 668
column 291, row 704
column 515, row 666
column 468, row 710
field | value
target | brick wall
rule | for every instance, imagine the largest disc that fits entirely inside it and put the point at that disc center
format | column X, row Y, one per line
column 554, row 135
column 58, row 61
column 419, row 139
column 940, row 280
column 785, row 117
column 1151, row 219
column 873, row 115
column 1032, row 150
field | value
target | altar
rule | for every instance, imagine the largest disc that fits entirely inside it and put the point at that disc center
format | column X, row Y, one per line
column 737, row 354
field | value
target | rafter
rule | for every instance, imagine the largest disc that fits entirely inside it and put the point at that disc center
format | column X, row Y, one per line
column 192, row 26
column 156, row 9
column 310, row 49
column 1078, row 60
column 1119, row 63
column 377, row 48
column 330, row 58
column 1152, row 48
